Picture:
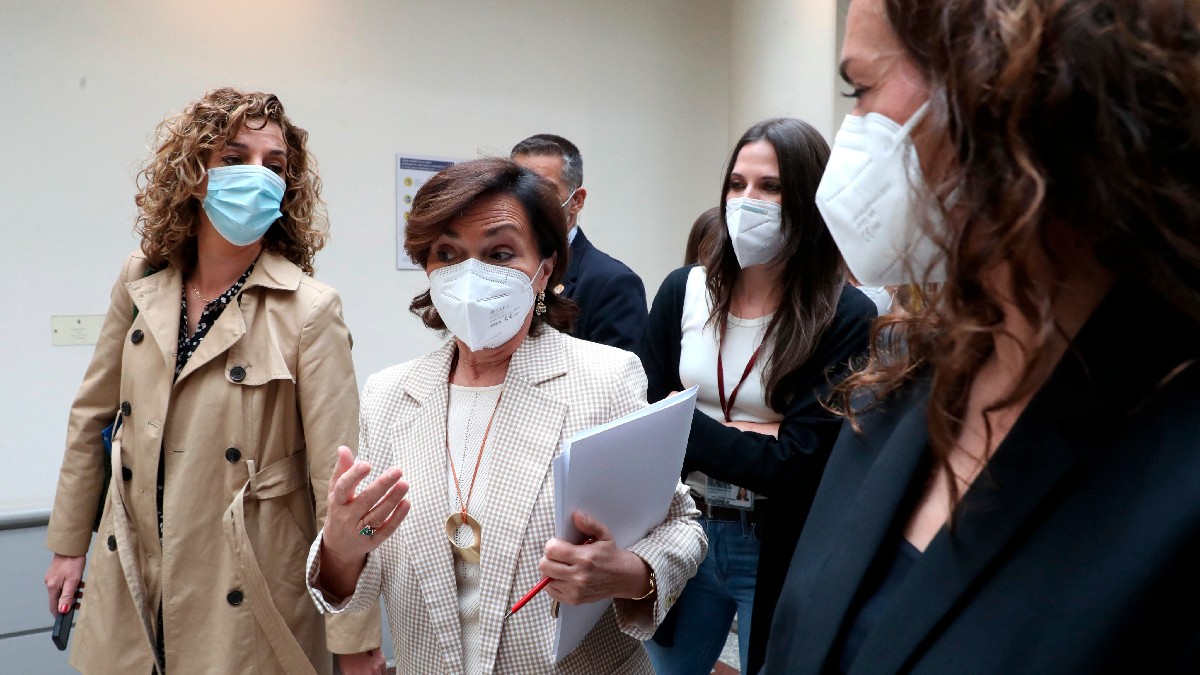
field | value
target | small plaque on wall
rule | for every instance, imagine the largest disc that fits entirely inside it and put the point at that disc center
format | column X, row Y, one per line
column 75, row 329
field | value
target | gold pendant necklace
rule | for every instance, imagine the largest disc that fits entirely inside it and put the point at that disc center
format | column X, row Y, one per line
column 453, row 522
column 459, row 518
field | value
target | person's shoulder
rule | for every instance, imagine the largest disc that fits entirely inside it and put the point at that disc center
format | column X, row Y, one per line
column 274, row 271
column 851, row 320
column 314, row 285
column 135, row 266
column 392, row 375
column 592, row 359
column 854, row 304
column 316, row 298
column 674, row 290
column 876, row 416
column 310, row 287
column 679, row 279
column 615, row 266
column 599, row 261
column 595, row 369
column 385, row 392
column 389, row 382
column 1165, row 443
column 1172, row 406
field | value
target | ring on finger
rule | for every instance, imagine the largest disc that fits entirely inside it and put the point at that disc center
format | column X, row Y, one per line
column 367, row 530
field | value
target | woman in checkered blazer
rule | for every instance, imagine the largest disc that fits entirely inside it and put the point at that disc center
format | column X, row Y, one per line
column 474, row 427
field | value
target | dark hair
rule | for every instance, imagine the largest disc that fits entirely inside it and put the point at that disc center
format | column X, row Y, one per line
column 549, row 145
column 813, row 272
column 704, row 235
column 453, row 190
column 1077, row 117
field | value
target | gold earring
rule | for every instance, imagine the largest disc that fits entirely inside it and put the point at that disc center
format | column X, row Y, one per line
column 540, row 308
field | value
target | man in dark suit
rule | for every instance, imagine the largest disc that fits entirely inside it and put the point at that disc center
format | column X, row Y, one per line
column 611, row 297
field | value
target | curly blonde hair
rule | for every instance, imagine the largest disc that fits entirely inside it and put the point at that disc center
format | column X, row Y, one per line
column 168, row 212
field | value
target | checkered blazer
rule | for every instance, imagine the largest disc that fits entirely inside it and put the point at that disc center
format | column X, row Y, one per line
column 556, row 385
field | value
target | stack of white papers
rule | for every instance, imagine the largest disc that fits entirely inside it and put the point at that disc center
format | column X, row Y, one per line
column 623, row 474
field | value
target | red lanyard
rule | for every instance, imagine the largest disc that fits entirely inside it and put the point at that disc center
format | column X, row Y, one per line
column 727, row 406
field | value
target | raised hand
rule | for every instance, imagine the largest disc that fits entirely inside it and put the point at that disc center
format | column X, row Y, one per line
column 356, row 523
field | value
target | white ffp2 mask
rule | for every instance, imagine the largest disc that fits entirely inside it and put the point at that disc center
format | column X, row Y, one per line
column 756, row 228
column 483, row 305
column 866, row 197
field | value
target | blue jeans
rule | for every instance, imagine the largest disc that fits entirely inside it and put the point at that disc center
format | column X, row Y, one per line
column 723, row 586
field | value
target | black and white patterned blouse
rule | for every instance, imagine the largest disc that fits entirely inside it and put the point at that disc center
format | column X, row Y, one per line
column 188, row 345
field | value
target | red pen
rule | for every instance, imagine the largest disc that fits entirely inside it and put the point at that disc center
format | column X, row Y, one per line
column 538, row 588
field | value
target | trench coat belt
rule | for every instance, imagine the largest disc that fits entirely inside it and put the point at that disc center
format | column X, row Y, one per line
column 127, row 546
column 276, row 480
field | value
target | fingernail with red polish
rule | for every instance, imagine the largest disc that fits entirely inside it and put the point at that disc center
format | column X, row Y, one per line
column 62, row 609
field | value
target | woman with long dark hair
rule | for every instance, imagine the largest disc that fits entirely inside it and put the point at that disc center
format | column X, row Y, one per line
column 1017, row 491
column 762, row 328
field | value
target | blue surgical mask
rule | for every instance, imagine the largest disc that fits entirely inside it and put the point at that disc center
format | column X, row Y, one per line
column 243, row 201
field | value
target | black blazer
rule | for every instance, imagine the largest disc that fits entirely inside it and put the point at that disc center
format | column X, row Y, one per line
column 611, row 298
column 1076, row 551
column 786, row 470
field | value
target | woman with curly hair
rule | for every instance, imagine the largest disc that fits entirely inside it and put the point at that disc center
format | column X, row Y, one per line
column 1016, row 491
column 227, row 370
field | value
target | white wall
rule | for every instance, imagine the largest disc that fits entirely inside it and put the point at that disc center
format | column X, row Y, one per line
column 842, row 105
column 784, row 63
column 642, row 87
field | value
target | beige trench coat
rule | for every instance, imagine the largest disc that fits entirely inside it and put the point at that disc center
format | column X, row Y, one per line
column 272, row 380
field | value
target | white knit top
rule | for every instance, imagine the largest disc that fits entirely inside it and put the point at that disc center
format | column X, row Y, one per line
column 698, row 362
column 470, row 410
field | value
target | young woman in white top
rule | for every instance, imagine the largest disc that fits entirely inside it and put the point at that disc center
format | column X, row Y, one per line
column 763, row 327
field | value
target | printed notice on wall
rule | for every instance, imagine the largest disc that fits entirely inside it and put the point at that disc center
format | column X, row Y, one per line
column 75, row 329
column 411, row 173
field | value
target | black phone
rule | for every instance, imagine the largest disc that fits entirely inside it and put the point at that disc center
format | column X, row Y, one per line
column 62, row 627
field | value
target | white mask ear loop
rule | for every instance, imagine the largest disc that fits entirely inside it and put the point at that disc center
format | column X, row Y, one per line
column 540, row 269
column 568, row 199
column 906, row 129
